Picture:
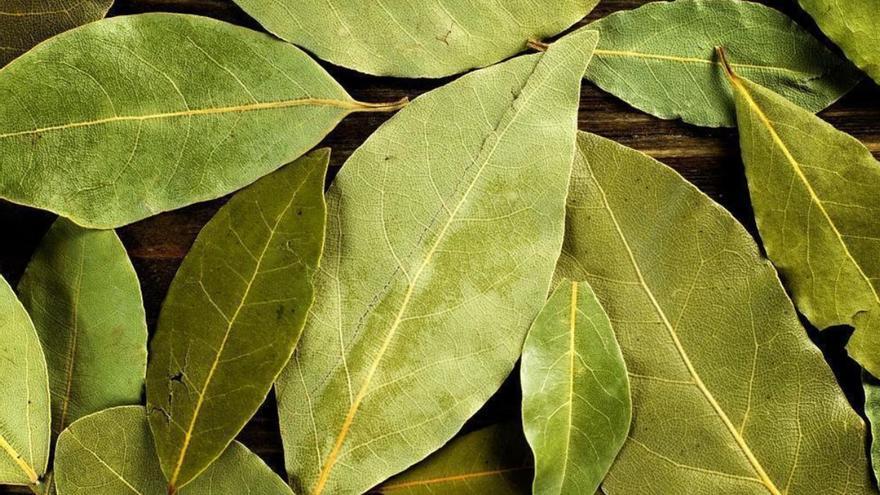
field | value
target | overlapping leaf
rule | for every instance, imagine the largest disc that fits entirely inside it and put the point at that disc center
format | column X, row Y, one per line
column 429, row 38
column 729, row 394
column 131, row 116
column 24, row 411
column 444, row 229
column 494, row 459
column 872, row 411
column 24, row 23
column 852, row 24
column 85, row 301
column 660, row 58
column 816, row 196
column 233, row 315
column 576, row 400
column 112, row 453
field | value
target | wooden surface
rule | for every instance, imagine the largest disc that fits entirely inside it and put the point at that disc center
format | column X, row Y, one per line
column 707, row 157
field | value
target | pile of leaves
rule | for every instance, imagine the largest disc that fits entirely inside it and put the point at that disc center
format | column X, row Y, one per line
column 659, row 350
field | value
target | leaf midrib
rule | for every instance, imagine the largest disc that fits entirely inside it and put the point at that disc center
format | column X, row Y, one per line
column 348, row 105
column 450, row 478
column 332, row 457
column 200, row 401
column 19, row 460
column 777, row 140
column 698, row 381
column 692, row 60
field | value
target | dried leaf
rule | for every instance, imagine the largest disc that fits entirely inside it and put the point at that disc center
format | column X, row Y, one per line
column 112, row 453
column 429, row 38
column 24, row 23
column 872, row 411
column 444, row 229
column 660, row 58
column 233, row 315
column 25, row 422
column 729, row 394
column 852, row 24
column 135, row 115
column 576, row 399
column 493, row 460
column 816, row 196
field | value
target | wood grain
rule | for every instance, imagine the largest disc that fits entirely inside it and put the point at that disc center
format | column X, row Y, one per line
column 707, row 157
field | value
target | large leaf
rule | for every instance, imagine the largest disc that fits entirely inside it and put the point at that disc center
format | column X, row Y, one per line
column 85, row 301
column 24, row 23
column 131, row 116
column 25, row 422
column 660, row 58
column 816, row 196
column 233, row 314
column 112, row 453
column 852, row 24
column 493, row 460
column 428, row 38
column 576, row 399
column 729, row 394
column 444, row 228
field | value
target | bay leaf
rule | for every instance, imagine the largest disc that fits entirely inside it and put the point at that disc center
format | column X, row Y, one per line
column 430, row 38
column 729, row 394
column 25, row 23
column 233, row 314
column 492, row 460
column 85, row 301
column 111, row 452
column 660, row 58
column 576, row 400
column 872, row 411
column 852, row 25
column 24, row 410
column 443, row 231
column 816, row 196
column 131, row 116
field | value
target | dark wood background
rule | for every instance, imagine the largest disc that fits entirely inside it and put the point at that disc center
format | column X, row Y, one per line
column 707, row 157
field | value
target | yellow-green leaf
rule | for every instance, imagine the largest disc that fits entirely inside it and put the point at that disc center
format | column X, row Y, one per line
column 24, row 23
column 111, row 453
column 444, row 229
column 25, row 423
column 816, row 196
column 493, row 460
column 233, row 315
column 576, row 399
column 852, row 24
column 729, row 394
column 427, row 38
column 131, row 116
column 872, row 411
column 661, row 59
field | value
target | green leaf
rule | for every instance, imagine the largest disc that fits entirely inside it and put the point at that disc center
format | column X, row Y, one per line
column 729, row 394
column 493, row 460
column 872, row 411
column 233, row 315
column 660, row 58
column 111, row 452
column 576, row 399
column 25, row 423
column 852, row 24
column 136, row 115
column 85, row 301
column 444, row 229
column 24, row 23
column 429, row 38
column 816, row 196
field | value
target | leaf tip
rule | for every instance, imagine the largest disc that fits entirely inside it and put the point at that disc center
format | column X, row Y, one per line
column 537, row 45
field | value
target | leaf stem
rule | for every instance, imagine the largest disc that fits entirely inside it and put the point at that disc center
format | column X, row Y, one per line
column 381, row 107
column 538, row 45
column 722, row 56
